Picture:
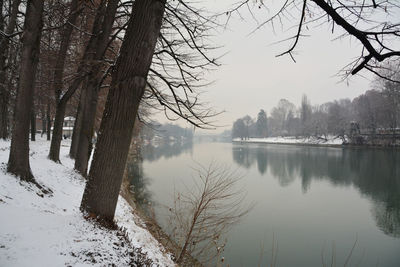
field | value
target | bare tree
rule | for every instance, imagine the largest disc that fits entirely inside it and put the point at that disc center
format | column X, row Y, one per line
column 126, row 91
column 279, row 115
column 239, row 129
column 61, row 100
column 173, row 77
column 305, row 116
column 203, row 214
column 5, row 39
column 18, row 162
column 63, row 96
column 366, row 21
column 181, row 58
column 91, row 88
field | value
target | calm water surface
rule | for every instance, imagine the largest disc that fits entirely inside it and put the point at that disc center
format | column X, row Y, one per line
column 310, row 202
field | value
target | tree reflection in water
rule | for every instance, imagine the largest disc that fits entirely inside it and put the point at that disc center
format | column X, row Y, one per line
column 166, row 150
column 374, row 172
column 139, row 182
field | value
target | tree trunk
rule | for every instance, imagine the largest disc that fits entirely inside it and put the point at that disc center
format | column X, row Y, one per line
column 91, row 89
column 100, row 35
column 33, row 124
column 62, row 51
column 4, row 114
column 3, row 103
column 77, row 127
column 54, row 153
column 48, row 120
column 4, row 47
column 18, row 162
column 43, row 119
column 86, row 132
column 127, row 88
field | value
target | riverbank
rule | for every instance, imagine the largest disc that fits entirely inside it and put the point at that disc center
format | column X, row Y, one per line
column 149, row 218
column 314, row 141
column 310, row 141
column 49, row 230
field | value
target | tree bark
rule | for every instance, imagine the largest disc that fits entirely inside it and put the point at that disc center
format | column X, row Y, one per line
column 4, row 48
column 127, row 88
column 48, row 121
column 33, row 124
column 54, row 153
column 62, row 52
column 99, row 31
column 18, row 162
column 4, row 114
column 61, row 103
column 77, row 127
column 43, row 119
column 91, row 90
column 86, row 131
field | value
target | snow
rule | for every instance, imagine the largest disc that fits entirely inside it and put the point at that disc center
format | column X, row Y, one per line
column 49, row 230
column 331, row 140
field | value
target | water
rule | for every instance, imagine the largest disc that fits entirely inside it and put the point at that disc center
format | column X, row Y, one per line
column 312, row 204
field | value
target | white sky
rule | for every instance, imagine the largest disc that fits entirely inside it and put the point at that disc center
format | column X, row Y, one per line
column 252, row 78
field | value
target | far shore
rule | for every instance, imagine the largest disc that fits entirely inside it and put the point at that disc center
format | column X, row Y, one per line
column 312, row 141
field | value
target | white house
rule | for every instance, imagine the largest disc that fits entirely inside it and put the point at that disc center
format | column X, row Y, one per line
column 68, row 127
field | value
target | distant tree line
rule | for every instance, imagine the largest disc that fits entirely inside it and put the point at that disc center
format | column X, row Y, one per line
column 167, row 132
column 375, row 111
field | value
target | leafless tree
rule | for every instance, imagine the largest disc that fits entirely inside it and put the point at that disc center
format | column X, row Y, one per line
column 182, row 56
column 126, row 91
column 202, row 214
column 18, row 162
column 172, row 82
column 7, row 33
column 92, row 85
column 375, row 24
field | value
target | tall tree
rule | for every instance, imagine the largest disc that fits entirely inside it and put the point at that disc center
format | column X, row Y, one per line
column 239, row 129
column 77, row 127
column 4, row 49
column 127, row 88
column 279, row 115
column 305, row 116
column 61, row 100
column 18, row 162
column 91, row 89
column 248, row 122
column 261, row 124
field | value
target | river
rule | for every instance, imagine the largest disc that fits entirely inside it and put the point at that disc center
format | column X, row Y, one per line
column 311, row 204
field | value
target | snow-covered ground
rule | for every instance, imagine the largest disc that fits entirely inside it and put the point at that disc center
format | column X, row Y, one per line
column 37, row 230
column 331, row 140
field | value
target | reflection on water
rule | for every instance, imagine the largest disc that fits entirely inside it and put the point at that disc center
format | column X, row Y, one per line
column 166, row 150
column 304, row 195
column 138, row 181
column 374, row 172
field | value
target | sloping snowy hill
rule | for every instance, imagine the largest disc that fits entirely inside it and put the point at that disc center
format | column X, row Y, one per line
column 37, row 230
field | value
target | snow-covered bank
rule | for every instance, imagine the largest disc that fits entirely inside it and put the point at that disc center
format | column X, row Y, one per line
column 330, row 141
column 37, row 230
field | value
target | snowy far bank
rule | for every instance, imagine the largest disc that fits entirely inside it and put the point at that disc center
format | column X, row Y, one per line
column 37, row 230
column 330, row 141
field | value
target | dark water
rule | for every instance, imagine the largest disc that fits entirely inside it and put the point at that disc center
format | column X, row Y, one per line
column 312, row 204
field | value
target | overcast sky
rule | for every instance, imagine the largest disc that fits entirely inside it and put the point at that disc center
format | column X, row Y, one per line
column 252, row 77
